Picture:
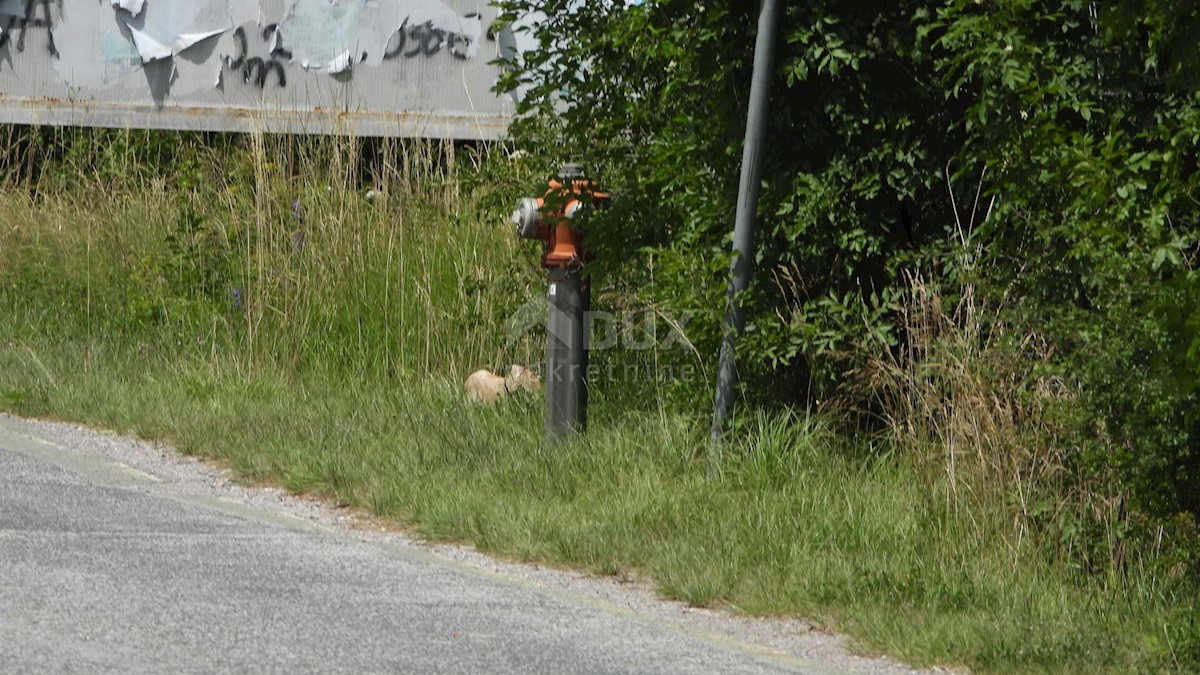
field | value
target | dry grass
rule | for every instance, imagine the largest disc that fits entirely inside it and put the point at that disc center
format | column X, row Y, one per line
column 951, row 397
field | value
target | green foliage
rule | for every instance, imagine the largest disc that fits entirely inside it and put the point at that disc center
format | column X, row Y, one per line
column 1043, row 154
column 1090, row 148
column 658, row 90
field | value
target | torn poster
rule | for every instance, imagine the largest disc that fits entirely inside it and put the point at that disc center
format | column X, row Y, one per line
column 149, row 48
column 134, row 7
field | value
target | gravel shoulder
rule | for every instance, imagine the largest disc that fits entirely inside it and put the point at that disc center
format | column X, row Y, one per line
column 157, row 469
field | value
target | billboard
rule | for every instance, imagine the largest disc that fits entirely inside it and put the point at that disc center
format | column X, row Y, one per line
column 412, row 68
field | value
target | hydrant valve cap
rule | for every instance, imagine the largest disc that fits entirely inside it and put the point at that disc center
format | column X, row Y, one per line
column 527, row 218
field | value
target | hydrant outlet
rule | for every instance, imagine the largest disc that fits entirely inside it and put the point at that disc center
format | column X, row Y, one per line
column 527, row 218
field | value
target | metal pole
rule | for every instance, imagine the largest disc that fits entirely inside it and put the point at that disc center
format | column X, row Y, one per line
column 743, row 234
column 566, row 355
column 585, row 327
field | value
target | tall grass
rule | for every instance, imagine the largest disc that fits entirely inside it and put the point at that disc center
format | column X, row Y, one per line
column 971, row 412
column 323, row 253
column 166, row 284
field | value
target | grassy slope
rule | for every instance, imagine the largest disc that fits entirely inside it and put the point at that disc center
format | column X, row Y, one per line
column 336, row 373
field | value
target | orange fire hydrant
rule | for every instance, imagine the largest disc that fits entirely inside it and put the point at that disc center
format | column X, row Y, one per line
column 551, row 218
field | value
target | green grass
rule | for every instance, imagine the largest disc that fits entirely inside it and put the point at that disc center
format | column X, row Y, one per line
column 792, row 526
column 338, row 375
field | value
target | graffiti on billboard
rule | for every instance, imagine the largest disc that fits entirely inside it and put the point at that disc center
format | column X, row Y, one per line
column 362, row 58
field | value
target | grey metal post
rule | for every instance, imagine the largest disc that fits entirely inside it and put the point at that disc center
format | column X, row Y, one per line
column 566, row 354
column 743, row 234
column 585, row 296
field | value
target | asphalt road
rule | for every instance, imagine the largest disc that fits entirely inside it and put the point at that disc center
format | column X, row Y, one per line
column 105, row 568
